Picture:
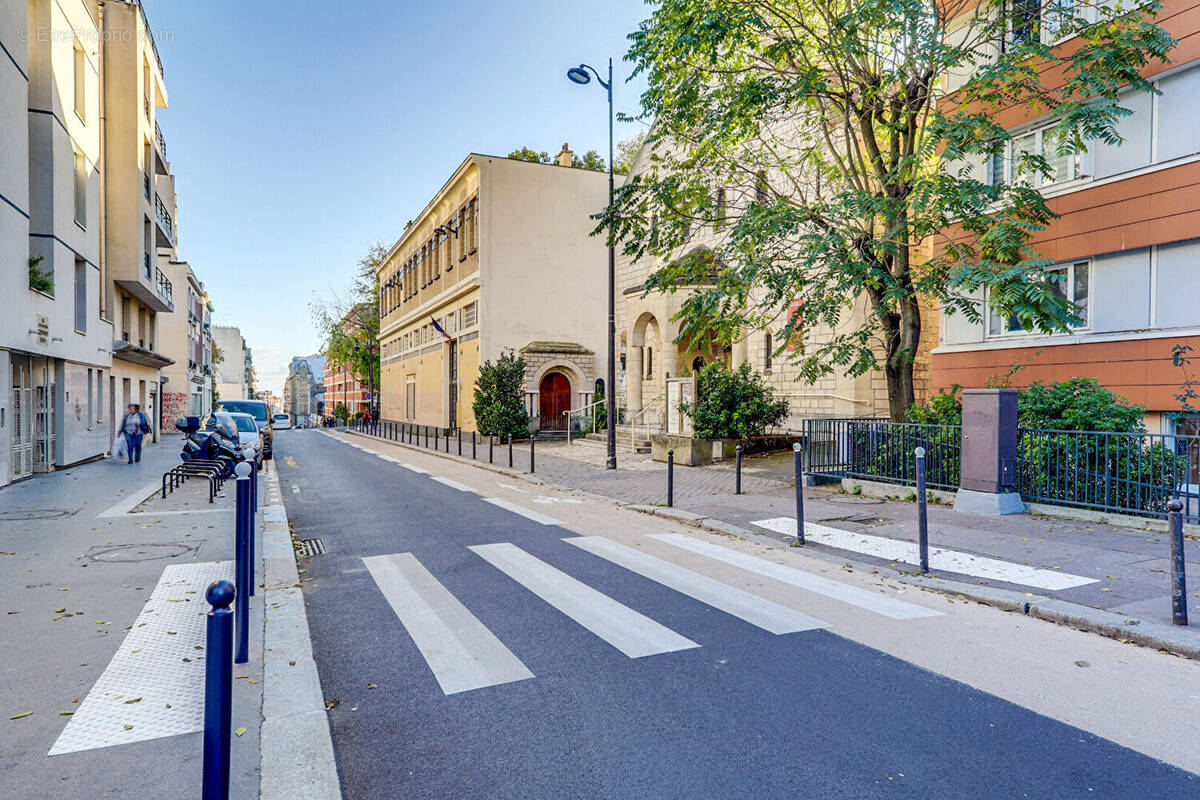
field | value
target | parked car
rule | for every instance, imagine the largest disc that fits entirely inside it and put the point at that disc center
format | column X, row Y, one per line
column 281, row 422
column 261, row 411
column 250, row 437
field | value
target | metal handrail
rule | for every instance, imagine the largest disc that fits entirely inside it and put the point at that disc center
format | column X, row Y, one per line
column 569, row 412
column 641, row 413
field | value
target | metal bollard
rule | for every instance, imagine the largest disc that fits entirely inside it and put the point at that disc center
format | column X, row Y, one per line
column 1179, row 609
column 798, row 457
column 426, row 427
column 250, row 529
column 436, row 431
column 460, row 441
column 472, row 445
column 491, row 445
column 670, row 478
column 532, row 436
column 738, row 480
column 922, row 511
column 242, row 560
column 447, row 440
column 218, row 690
column 510, row 451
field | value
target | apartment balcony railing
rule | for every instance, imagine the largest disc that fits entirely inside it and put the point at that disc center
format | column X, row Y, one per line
column 146, row 265
column 162, row 143
column 146, row 184
column 166, row 290
column 150, row 38
column 164, row 216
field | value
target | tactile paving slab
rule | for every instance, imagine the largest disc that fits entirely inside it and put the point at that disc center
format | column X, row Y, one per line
column 154, row 685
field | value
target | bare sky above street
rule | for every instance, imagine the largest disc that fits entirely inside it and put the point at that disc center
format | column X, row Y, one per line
column 301, row 132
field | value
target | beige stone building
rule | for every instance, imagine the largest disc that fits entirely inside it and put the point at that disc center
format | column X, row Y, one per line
column 138, row 196
column 649, row 354
column 186, row 336
column 55, row 344
column 501, row 257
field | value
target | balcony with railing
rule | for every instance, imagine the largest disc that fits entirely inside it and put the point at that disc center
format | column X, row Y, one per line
column 166, row 225
column 164, row 287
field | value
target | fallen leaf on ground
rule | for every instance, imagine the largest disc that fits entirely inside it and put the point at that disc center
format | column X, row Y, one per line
column 128, row 727
column 239, row 731
column 22, row 714
column 134, row 700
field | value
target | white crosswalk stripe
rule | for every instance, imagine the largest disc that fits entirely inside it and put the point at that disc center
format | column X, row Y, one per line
column 462, row 487
column 757, row 611
column 862, row 598
column 462, row 653
column 524, row 512
column 632, row 633
column 940, row 558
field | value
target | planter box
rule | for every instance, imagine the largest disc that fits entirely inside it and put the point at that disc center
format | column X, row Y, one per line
column 689, row 451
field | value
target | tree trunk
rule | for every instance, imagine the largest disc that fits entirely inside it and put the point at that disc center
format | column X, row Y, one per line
column 901, row 393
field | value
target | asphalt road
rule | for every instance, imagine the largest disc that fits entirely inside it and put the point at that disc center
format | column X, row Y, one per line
column 745, row 714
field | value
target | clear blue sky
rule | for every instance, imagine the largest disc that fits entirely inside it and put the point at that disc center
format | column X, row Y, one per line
column 301, row 132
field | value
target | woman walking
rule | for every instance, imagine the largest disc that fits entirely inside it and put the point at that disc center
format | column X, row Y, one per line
column 134, row 426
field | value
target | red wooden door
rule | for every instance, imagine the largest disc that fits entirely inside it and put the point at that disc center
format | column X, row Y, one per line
column 554, row 397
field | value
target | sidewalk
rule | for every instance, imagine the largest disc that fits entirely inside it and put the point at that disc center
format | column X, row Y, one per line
column 104, row 617
column 1092, row 566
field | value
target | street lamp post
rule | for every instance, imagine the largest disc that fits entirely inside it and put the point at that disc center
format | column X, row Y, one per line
column 581, row 76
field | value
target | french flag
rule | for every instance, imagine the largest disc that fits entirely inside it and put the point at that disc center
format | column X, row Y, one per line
column 438, row 328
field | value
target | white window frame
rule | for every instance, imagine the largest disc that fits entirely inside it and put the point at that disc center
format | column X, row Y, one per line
column 1070, row 267
column 1081, row 161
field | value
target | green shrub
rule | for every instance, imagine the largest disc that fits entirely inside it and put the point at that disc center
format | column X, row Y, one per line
column 37, row 279
column 500, row 396
column 733, row 404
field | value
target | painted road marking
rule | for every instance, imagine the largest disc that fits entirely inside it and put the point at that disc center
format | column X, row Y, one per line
column 511, row 488
column 154, row 685
column 524, row 512
column 462, row 487
column 547, row 500
column 632, row 633
column 415, row 469
column 757, row 611
column 939, row 558
column 460, row 651
column 131, row 500
column 863, row 598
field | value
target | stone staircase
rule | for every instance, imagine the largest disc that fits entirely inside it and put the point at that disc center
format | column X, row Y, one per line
column 627, row 439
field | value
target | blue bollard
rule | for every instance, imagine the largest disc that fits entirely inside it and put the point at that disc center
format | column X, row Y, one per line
column 797, row 456
column 243, row 518
column 670, row 478
column 251, row 532
column 218, row 690
column 737, row 489
column 1179, row 609
column 922, row 511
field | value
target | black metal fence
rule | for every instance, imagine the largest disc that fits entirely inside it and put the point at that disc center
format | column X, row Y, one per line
column 880, row 450
column 1127, row 473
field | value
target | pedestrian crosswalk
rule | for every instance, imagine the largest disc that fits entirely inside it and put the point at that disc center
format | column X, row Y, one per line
column 463, row 654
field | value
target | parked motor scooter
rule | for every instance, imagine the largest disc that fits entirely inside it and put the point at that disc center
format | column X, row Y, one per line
column 218, row 442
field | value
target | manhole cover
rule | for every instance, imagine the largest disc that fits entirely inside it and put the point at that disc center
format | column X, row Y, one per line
column 855, row 500
column 124, row 553
column 310, row 547
column 34, row 513
column 860, row 519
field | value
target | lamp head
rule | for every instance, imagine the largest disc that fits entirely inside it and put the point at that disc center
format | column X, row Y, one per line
column 579, row 75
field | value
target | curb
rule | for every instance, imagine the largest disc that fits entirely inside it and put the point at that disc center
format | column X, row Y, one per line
column 296, row 759
column 1146, row 633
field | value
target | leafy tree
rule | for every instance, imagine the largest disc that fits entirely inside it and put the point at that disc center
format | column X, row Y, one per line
column 821, row 137
column 349, row 325
column 341, row 412
column 216, row 358
column 500, row 396
column 733, row 404
column 39, row 280
column 627, row 150
column 529, row 154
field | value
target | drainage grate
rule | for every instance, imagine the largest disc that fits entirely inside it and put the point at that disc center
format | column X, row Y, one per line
column 310, row 547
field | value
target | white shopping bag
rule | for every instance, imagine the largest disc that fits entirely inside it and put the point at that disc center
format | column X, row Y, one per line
column 118, row 450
